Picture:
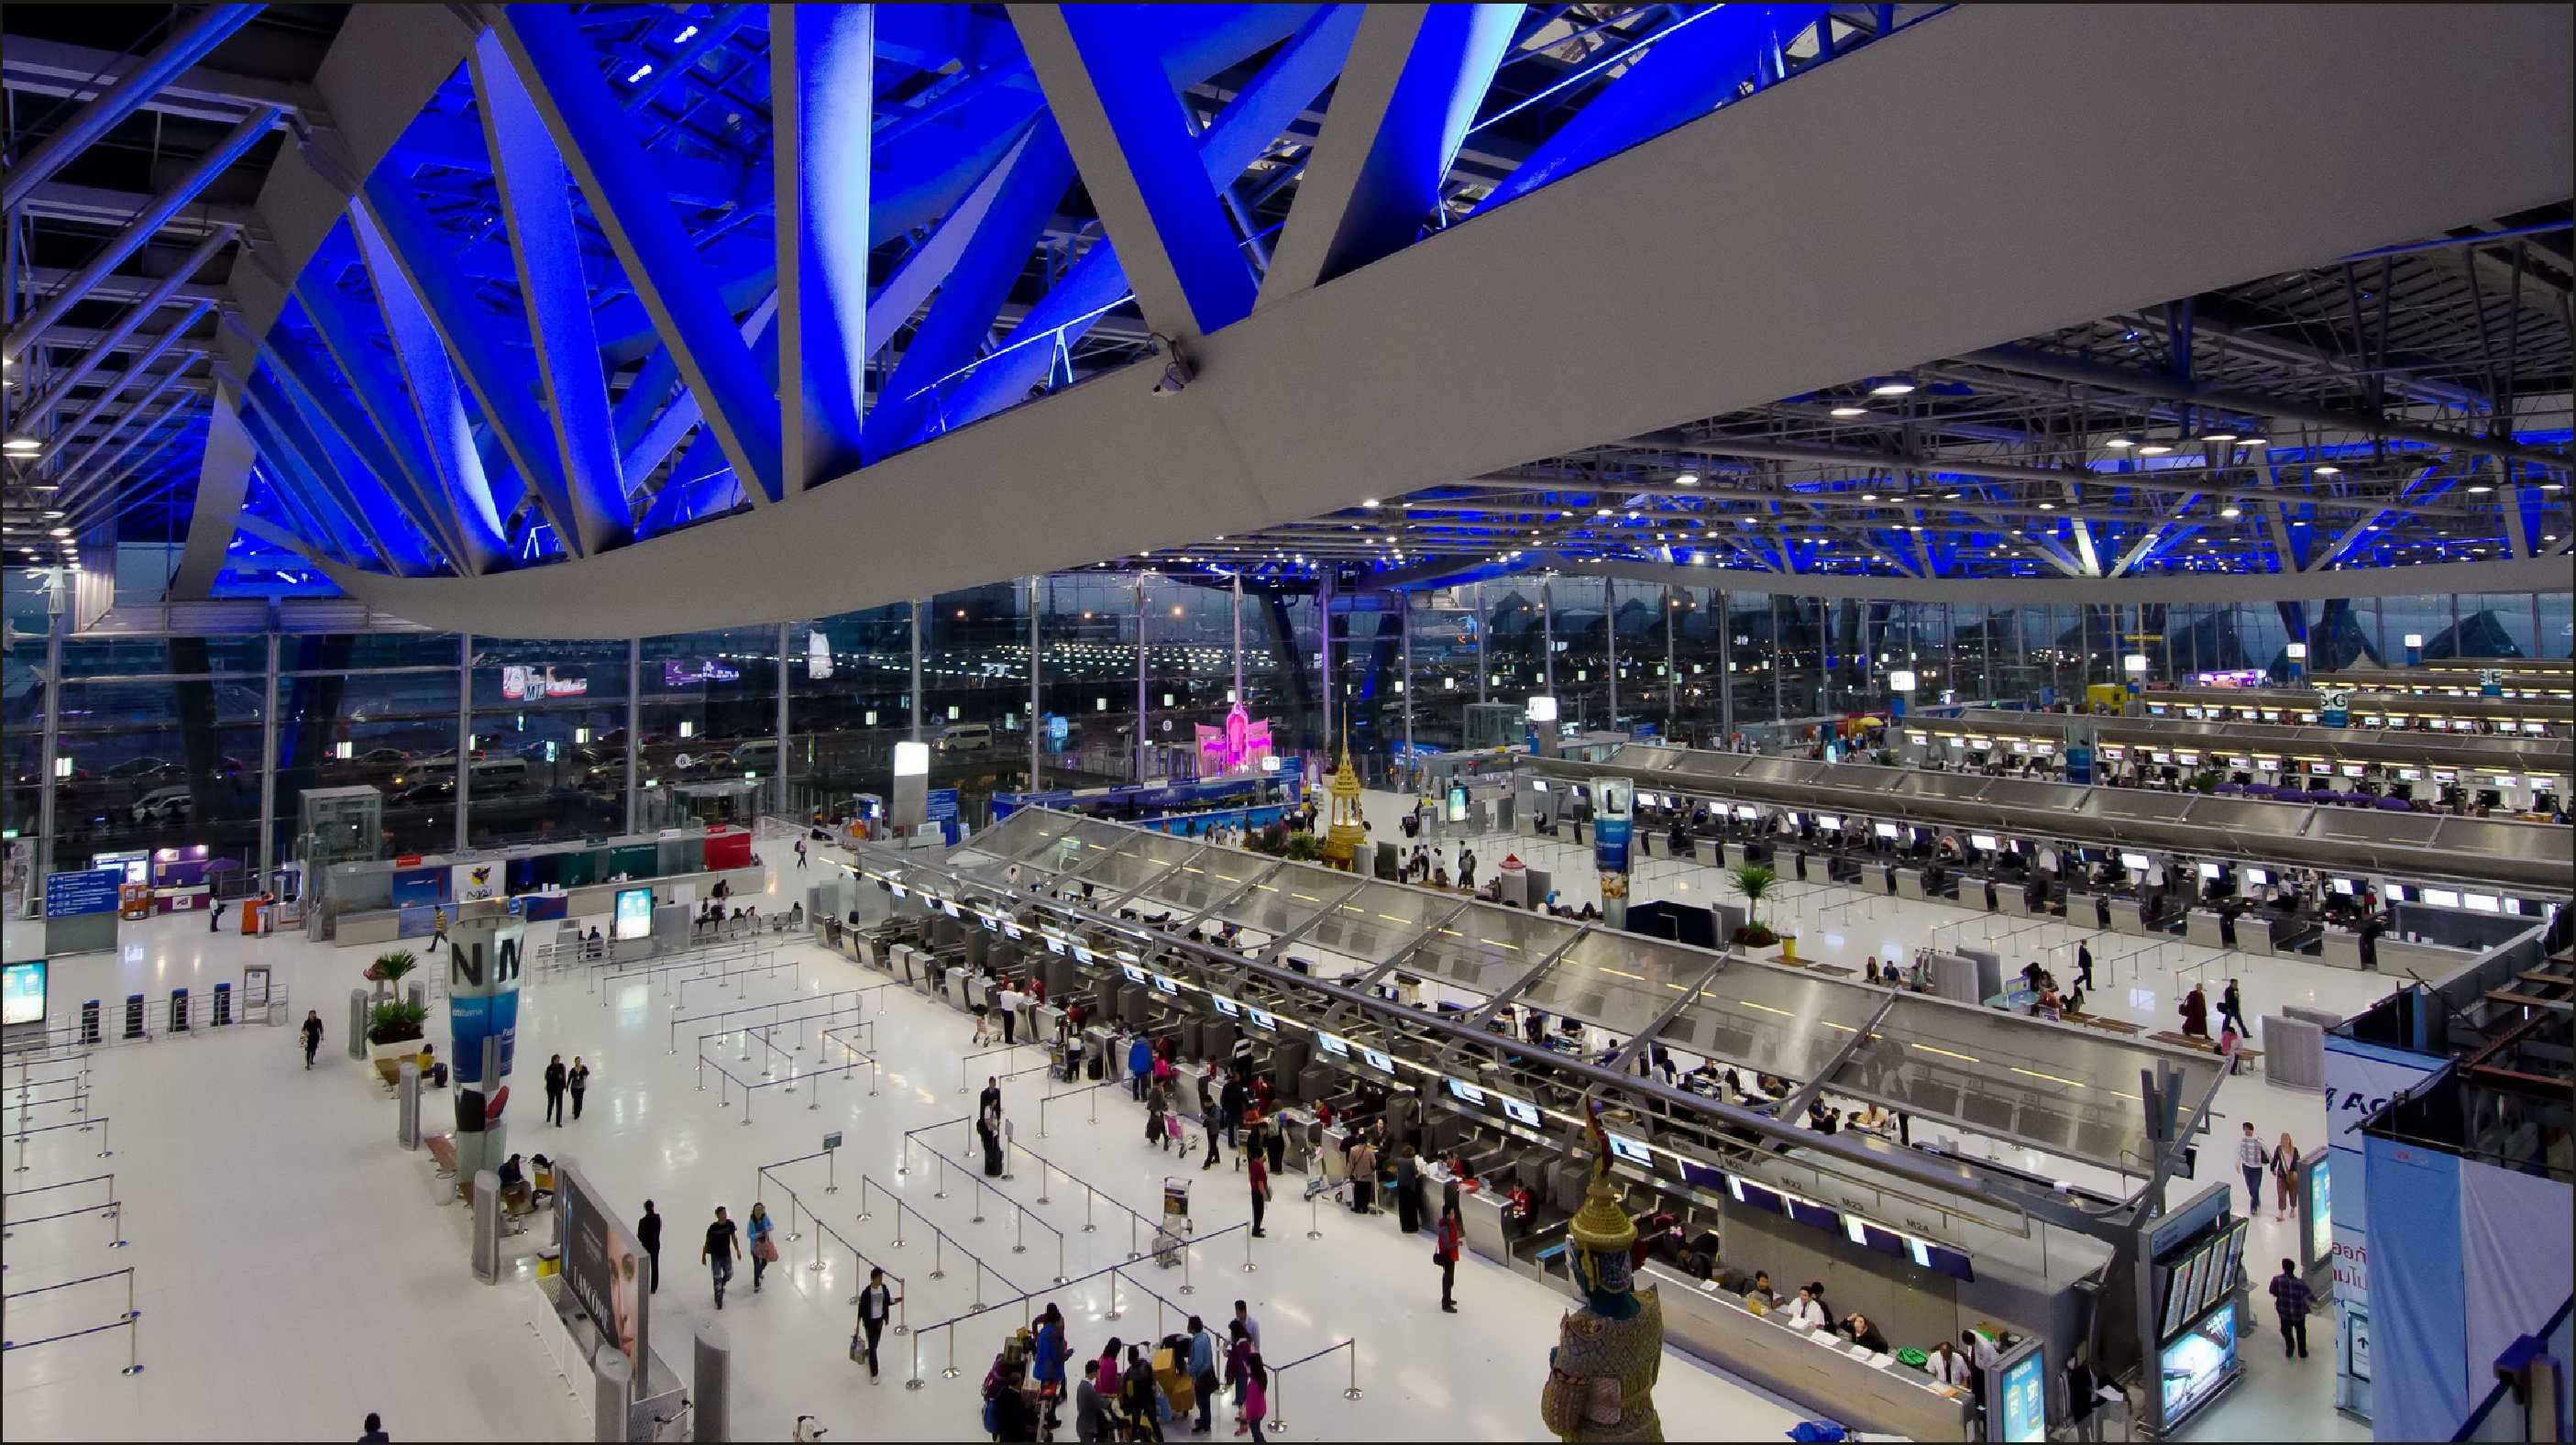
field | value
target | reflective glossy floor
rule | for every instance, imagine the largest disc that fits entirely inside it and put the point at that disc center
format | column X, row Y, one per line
column 294, row 1270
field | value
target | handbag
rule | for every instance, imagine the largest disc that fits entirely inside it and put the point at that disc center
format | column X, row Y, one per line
column 765, row 1248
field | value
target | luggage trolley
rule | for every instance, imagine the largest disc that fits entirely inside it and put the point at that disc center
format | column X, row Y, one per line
column 1171, row 1235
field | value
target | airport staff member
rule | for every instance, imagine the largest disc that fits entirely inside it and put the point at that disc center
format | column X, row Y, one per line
column 1947, row 1366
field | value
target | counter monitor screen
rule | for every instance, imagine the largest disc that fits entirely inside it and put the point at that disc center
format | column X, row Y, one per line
column 1466, row 1093
column 1706, row 1176
column 2482, row 902
column 2442, row 897
column 1081, row 954
column 1166, row 984
column 1983, row 840
column 897, row 889
column 1829, row 820
column 1520, row 1113
column 1632, row 1150
column 1747, row 812
column 1816, row 1216
column 1885, row 1241
column 1377, row 1061
column 2352, row 770
column 1262, row 1020
column 1056, row 947
column 1134, row 974
column 1753, row 1196
column 2257, row 875
column 1941, row 1259
column 2343, row 886
column 1797, row 820
column 2208, row 870
column 2133, row 860
column 1333, row 1044
column 1012, row 930
column 1884, row 830
column 1226, row 1006
column 949, row 907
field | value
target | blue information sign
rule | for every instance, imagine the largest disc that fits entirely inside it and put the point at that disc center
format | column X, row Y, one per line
column 940, row 806
column 88, row 890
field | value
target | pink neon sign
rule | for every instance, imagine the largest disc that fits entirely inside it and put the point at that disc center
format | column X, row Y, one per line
column 1237, row 747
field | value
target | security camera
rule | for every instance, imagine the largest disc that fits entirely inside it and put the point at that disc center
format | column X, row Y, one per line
column 1177, row 370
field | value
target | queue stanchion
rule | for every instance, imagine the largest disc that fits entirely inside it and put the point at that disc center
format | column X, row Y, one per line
column 864, row 1214
column 949, row 1371
column 1353, row 1393
column 817, row 1266
column 978, row 1216
column 831, row 1171
column 979, row 1287
column 899, row 1207
column 1248, row 1266
column 816, row 1101
column 1088, row 1195
column 1314, row 1229
column 1059, row 1259
column 942, row 1191
column 1113, row 1311
column 133, row 1329
column 1186, row 1286
column 746, row 1106
column 794, row 1233
column 1020, row 1233
column 1043, row 1170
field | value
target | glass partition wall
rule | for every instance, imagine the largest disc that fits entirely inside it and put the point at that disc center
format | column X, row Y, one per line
column 183, row 741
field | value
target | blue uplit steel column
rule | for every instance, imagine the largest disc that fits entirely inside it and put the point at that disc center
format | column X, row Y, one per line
column 1404, row 624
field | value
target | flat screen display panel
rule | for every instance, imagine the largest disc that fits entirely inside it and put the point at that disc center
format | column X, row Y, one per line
column 634, row 913
column 1333, row 1044
column 1632, row 1150
column 1466, row 1093
column 1226, row 1006
column 1706, row 1176
column 1816, row 1216
column 1261, row 1019
column 1521, row 1113
column 1377, row 1061
column 22, row 992
column 1134, row 974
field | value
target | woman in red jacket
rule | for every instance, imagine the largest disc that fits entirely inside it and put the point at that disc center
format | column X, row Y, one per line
column 1446, row 1253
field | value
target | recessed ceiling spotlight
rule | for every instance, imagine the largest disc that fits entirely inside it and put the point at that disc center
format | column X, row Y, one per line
column 2230, row 512
column 1369, row 505
column 2153, row 449
column 1847, row 411
column 2480, row 490
column 2252, row 442
column 1687, row 479
column 2218, row 436
column 2122, row 442
column 2329, row 471
column 2048, row 506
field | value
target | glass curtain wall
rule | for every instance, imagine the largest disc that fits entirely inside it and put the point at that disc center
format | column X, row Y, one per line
column 1087, row 669
column 708, row 703
column 849, row 700
column 160, row 745
column 1445, row 625
column 975, row 688
column 375, row 710
column 1514, row 662
column 545, row 765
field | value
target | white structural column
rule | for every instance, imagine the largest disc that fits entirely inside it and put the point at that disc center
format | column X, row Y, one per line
column 1404, row 624
column 464, row 732
column 53, row 733
column 1324, row 655
column 1546, row 637
column 267, row 764
column 1141, row 744
column 917, row 610
column 1610, row 644
column 1237, row 611
column 634, row 732
column 1672, row 665
column 1724, row 622
column 781, row 787
column 1037, row 722
column 1482, row 677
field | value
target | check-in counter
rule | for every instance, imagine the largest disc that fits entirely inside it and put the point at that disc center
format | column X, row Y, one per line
column 1733, row 853
column 1043, row 1019
column 2402, row 956
column 2013, row 902
column 1480, row 1223
column 1909, row 883
column 1813, row 1371
column 977, row 995
column 2123, row 917
column 1337, row 1160
column 955, row 988
column 2343, row 950
column 900, row 961
column 1188, row 1100
column 2254, row 934
column 1099, row 1043
column 2204, row 927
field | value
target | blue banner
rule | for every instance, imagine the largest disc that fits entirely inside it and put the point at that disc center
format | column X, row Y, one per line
column 88, row 890
column 940, row 806
column 419, row 886
column 474, row 1017
column 1610, row 843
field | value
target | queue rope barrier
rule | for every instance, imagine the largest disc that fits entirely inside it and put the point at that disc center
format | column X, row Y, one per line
column 822, row 1230
column 130, row 1321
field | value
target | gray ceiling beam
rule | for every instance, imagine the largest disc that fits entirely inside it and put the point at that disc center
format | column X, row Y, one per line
column 127, row 324
column 76, row 72
column 2033, row 362
column 140, row 370
column 208, row 166
column 100, row 206
column 189, row 43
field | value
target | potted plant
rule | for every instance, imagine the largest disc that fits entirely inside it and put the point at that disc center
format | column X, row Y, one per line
column 1303, row 848
column 388, row 970
column 1754, row 881
column 395, row 1028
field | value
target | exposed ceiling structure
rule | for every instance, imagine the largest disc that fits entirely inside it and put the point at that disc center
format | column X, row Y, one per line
column 525, row 287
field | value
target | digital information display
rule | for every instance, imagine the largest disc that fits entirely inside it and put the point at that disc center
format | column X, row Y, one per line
column 1262, row 1020
column 634, row 913
column 1632, row 1150
column 1467, row 1093
column 1226, row 1006
column 1377, row 1061
column 2320, row 1211
column 22, row 992
column 1167, row 984
column 1056, row 947
column 1333, row 1044
column 1520, row 1113
column 2025, row 1392
column 1134, row 974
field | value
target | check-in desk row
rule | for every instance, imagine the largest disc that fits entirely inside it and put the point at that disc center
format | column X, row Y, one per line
column 1818, row 1370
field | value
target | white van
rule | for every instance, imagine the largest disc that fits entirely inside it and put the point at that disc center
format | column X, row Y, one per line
column 165, row 805
column 965, row 737
column 760, row 755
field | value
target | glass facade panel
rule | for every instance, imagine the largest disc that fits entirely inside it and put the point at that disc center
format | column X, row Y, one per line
column 549, row 721
column 341, row 727
column 849, row 678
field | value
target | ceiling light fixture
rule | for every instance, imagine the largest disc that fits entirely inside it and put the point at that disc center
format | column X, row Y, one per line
column 2121, row 442
column 1847, row 411
column 21, row 445
column 1687, row 479
column 1891, row 386
column 2329, row 471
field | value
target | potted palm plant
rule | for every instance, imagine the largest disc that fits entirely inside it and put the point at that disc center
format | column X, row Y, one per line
column 395, row 1029
column 388, row 970
column 1754, row 882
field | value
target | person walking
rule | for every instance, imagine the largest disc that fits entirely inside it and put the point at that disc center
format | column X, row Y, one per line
column 648, row 1233
column 1467, row 868
column 1211, row 1118
column 876, row 1303
column 1047, row 1355
column 312, row 1035
column 2083, row 966
column 1141, row 1397
column 437, row 928
column 1240, row 1347
column 1090, row 1413
column 764, row 1249
column 2285, row 1177
column 2195, row 1013
column 555, row 1091
column 723, row 1247
column 576, row 1080
column 2231, row 1006
column 1259, row 1173
column 1256, row 1396
column 2252, row 1158
column 800, row 853
column 2292, row 1298
column 1204, row 1349
column 1274, row 1142
column 2083, row 1388
column 1446, row 1252
column 1158, row 1101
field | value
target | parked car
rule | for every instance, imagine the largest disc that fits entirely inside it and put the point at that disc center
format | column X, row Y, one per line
column 135, row 769
column 164, row 805
column 965, row 737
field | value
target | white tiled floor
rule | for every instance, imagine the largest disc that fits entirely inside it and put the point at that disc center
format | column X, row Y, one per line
column 294, row 1272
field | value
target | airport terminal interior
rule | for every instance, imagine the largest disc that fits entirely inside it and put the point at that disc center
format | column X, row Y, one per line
column 1477, row 722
